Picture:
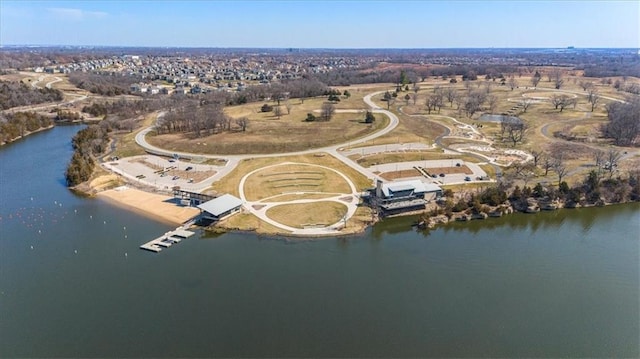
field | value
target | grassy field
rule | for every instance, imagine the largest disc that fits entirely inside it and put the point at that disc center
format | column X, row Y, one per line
column 308, row 214
column 294, row 196
column 267, row 133
column 229, row 184
column 126, row 145
column 292, row 178
column 381, row 158
column 247, row 222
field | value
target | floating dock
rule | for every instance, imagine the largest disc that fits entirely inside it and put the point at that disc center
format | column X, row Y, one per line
column 167, row 240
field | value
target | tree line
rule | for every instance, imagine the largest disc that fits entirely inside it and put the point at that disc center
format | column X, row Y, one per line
column 106, row 85
column 592, row 190
column 345, row 77
column 15, row 94
column 14, row 125
column 87, row 144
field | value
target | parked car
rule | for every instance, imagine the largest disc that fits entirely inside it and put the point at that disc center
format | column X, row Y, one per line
column 442, row 175
column 175, row 177
column 188, row 168
column 467, row 178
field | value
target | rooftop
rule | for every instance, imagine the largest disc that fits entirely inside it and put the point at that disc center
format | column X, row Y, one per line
column 220, row 205
column 416, row 185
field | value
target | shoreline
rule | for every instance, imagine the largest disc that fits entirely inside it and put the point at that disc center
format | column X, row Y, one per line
column 160, row 208
column 151, row 205
column 27, row 133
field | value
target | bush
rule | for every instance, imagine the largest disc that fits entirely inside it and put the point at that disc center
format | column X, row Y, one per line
column 493, row 196
column 266, row 108
column 369, row 117
column 460, row 206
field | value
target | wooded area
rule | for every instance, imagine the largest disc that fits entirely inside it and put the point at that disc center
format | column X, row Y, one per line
column 14, row 125
column 15, row 94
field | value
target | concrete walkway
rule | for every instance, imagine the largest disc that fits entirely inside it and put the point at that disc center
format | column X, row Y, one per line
column 259, row 208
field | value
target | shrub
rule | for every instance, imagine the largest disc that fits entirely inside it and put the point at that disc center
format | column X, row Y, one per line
column 266, row 108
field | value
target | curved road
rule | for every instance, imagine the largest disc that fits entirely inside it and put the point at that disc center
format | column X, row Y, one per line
column 233, row 160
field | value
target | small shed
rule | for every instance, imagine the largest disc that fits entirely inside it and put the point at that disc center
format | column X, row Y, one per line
column 220, row 207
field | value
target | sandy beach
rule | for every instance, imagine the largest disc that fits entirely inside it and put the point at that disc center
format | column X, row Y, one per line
column 149, row 204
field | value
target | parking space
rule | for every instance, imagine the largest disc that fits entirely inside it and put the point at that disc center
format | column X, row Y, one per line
column 164, row 173
column 438, row 171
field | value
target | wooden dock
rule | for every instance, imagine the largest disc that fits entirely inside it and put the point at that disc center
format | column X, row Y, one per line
column 167, row 240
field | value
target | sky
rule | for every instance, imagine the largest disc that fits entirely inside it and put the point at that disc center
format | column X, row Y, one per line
column 323, row 24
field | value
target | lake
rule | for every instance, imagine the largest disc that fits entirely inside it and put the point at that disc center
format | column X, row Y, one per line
column 73, row 282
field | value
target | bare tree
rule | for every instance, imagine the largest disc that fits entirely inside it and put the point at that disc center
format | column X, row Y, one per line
column 593, row 97
column 438, row 98
column 277, row 111
column 613, row 156
column 559, row 166
column 523, row 171
column 598, row 156
column 537, row 156
column 243, row 122
column 415, row 98
column 429, row 102
column 512, row 82
column 535, row 79
column 514, row 130
column 129, row 124
column 492, row 103
column 327, row 111
column 471, row 106
column 562, row 101
column 288, row 106
column 451, row 94
column 278, row 93
column 624, row 122
column 571, row 101
column 586, row 85
column 556, row 76
column 525, row 103
column 556, row 100
column 547, row 163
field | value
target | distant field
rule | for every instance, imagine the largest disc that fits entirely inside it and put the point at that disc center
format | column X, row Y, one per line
column 267, row 133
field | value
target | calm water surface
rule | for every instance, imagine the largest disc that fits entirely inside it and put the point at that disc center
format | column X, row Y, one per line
column 73, row 282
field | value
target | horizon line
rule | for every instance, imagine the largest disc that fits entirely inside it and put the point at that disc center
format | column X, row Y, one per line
column 570, row 47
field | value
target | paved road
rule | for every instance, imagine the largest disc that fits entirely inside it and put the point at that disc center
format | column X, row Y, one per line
column 233, row 160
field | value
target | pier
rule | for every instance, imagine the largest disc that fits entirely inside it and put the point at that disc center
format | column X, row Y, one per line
column 167, row 240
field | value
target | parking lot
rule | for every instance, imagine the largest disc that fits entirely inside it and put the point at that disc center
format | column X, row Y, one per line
column 165, row 173
column 446, row 171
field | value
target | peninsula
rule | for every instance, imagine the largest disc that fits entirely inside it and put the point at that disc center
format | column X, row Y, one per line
column 318, row 144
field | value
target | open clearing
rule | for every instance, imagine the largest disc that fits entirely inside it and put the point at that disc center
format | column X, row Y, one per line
column 267, row 133
column 301, row 215
column 231, row 181
column 293, row 178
